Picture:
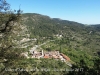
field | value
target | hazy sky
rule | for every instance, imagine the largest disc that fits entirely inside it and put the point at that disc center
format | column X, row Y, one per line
column 82, row 11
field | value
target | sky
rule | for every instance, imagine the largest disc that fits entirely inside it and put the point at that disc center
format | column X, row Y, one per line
column 82, row 11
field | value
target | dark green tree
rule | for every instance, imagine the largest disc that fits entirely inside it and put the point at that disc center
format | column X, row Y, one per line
column 9, row 27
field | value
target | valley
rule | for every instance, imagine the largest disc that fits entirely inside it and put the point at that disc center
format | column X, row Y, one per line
column 41, row 37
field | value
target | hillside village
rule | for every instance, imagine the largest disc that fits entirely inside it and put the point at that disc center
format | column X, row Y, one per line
column 51, row 54
column 47, row 55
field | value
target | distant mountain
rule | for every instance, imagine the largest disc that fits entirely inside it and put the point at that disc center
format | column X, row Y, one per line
column 81, row 36
column 41, row 25
column 46, row 26
column 96, row 27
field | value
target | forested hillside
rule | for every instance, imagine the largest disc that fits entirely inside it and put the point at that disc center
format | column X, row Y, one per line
column 80, row 36
column 78, row 41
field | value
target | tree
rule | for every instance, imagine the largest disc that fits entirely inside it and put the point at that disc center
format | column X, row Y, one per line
column 8, row 21
column 9, row 27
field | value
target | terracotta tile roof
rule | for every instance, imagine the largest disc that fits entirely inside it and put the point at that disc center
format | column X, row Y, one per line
column 65, row 57
column 46, row 57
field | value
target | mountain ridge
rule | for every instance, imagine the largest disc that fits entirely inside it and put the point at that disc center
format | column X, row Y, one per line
column 41, row 26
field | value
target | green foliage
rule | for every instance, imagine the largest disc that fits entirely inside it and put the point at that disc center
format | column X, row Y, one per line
column 9, row 21
column 75, row 35
column 36, row 67
column 9, row 28
column 85, row 69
